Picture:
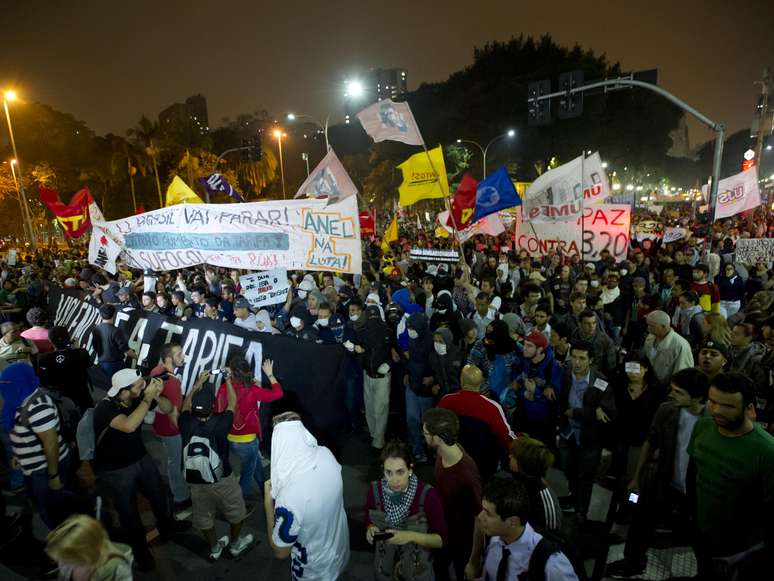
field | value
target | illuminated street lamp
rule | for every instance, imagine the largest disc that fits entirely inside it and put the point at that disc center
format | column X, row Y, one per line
column 279, row 135
column 8, row 97
column 354, row 89
column 511, row 133
column 293, row 116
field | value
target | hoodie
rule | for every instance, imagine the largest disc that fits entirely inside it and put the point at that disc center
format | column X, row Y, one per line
column 374, row 337
column 419, row 350
column 546, row 373
column 446, row 368
column 445, row 315
column 402, row 298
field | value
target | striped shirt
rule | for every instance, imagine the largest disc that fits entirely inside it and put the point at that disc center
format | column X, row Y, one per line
column 26, row 445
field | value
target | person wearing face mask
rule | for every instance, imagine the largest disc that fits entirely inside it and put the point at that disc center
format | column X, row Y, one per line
column 294, row 301
column 323, row 325
column 418, row 381
column 263, row 323
column 354, row 400
column 300, row 325
column 446, row 363
column 445, row 315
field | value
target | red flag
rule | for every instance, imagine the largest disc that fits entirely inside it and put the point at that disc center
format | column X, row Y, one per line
column 140, row 210
column 464, row 203
column 73, row 217
column 368, row 222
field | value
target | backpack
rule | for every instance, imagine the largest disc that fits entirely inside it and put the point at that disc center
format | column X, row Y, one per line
column 68, row 413
column 551, row 543
column 84, row 436
column 201, row 462
column 406, row 562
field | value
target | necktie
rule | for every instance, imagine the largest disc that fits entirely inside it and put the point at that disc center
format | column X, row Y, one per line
column 502, row 568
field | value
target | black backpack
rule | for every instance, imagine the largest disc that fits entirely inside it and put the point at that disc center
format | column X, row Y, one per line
column 551, row 543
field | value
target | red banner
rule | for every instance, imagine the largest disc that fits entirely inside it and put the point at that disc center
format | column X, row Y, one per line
column 73, row 217
column 368, row 223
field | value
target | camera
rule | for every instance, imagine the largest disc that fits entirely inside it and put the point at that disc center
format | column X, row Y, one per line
column 162, row 376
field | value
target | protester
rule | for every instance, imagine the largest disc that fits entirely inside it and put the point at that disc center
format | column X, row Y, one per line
column 530, row 460
column 14, row 349
column 37, row 333
column 667, row 351
column 111, row 343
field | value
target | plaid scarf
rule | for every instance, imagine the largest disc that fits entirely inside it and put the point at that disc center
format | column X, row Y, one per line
column 397, row 504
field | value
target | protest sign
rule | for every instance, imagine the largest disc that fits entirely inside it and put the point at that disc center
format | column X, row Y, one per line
column 648, row 229
column 673, row 234
column 265, row 288
column 11, row 258
column 737, row 193
column 558, row 195
column 299, row 234
column 605, row 227
column 434, row 255
column 754, row 250
column 207, row 345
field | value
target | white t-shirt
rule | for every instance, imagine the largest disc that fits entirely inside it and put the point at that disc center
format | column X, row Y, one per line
column 249, row 323
column 309, row 517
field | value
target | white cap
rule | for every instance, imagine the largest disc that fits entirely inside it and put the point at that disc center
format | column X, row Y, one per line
column 121, row 380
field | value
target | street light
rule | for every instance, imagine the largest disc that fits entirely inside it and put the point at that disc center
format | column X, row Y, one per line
column 18, row 194
column 9, row 96
column 279, row 135
column 293, row 116
column 509, row 134
column 354, row 89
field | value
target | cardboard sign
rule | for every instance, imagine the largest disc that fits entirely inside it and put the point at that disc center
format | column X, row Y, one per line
column 433, row 255
column 605, row 227
column 265, row 288
column 754, row 250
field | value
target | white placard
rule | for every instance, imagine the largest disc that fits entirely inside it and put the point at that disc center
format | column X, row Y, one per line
column 265, row 288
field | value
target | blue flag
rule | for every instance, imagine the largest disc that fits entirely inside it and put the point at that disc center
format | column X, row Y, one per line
column 216, row 184
column 495, row 193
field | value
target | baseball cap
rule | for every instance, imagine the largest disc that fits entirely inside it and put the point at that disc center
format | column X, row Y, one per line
column 121, row 380
column 70, row 283
column 203, row 402
column 722, row 348
column 242, row 303
column 537, row 338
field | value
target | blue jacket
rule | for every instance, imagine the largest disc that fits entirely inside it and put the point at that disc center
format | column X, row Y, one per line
column 547, row 372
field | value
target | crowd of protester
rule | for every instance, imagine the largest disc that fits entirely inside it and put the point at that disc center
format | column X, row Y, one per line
column 650, row 376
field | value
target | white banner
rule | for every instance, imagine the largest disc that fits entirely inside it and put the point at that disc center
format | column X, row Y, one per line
column 605, row 227
column 265, row 288
column 558, row 195
column 297, row 234
column 737, row 194
column 755, row 250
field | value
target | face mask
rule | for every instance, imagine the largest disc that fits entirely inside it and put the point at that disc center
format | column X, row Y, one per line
column 413, row 334
column 441, row 311
column 302, row 294
column 624, row 272
column 354, row 317
column 322, row 322
column 594, row 283
column 295, row 322
column 440, row 348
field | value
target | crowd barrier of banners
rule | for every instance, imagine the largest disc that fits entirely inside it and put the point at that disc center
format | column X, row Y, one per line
column 605, row 227
column 316, row 388
column 754, row 250
column 295, row 234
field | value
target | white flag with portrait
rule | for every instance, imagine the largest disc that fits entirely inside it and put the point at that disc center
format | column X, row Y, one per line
column 329, row 179
column 387, row 120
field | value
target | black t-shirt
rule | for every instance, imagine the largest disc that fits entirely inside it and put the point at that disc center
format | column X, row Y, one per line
column 65, row 371
column 216, row 428
column 117, row 449
column 110, row 342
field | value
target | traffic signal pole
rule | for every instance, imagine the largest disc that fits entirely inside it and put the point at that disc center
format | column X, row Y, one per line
column 718, row 128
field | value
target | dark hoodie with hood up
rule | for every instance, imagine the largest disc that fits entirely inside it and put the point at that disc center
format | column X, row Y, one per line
column 419, row 349
column 374, row 337
column 445, row 315
column 446, row 368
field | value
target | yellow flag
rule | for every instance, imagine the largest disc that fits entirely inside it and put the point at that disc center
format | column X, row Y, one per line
column 179, row 193
column 420, row 182
column 390, row 235
column 441, row 232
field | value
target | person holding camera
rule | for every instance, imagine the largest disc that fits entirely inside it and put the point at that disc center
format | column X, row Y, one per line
column 208, row 470
column 123, row 466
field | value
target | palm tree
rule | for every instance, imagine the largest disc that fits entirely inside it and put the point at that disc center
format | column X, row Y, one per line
column 145, row 136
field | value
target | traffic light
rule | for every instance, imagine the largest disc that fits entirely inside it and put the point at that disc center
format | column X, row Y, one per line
column 570, row 104
column 252, row 149
column 538, row 111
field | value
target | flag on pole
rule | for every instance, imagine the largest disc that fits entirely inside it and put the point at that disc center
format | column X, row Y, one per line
column 390, row 235
column 464, row 203
column 420, row 180
column 387, row 120
column 73, row 217
column 329, row 179
column 736, row 194
column 216, row 183
column 495, row 193
column 491, row 225
column 179, row 193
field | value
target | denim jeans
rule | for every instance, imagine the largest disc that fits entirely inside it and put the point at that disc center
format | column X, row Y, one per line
column 173, row 447
column 251, row 466
column 54, row 506
column 122, row 486
column 416, row 406
column 16, row 476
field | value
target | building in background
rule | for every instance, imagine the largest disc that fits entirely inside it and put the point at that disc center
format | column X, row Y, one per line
column 193, row 111
column 378, row 84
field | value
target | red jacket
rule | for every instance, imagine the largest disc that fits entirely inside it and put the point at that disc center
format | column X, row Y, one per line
column 246, row 416
column 473, row 404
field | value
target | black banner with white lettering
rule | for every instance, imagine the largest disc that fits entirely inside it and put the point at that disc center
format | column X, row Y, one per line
column 311, row 375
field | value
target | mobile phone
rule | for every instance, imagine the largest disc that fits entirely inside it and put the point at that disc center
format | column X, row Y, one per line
column 162, row 376
column 382, row 536
column 634, row 497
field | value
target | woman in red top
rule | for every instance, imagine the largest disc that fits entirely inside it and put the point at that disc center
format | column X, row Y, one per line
column 245, row 435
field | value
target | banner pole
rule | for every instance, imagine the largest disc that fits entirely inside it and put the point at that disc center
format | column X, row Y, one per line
column 582, row 199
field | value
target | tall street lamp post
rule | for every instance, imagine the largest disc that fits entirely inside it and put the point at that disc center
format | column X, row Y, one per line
column 9, row 96
column 509, row 134
column 279, row 135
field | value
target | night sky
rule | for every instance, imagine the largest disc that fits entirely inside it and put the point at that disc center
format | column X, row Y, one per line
column 109, row 62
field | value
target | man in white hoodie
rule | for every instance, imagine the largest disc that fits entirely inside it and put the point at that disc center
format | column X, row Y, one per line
column 304, row 503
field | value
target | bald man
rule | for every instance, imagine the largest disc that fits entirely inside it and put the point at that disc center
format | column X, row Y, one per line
column 667, row 351
column 469, row 402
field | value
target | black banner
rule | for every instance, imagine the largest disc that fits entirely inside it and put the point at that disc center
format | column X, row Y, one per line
column 309, row 373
